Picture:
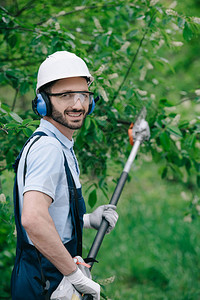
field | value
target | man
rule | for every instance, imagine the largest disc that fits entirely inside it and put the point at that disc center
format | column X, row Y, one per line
column 49, row 207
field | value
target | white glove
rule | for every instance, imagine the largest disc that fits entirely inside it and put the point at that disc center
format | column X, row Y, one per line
column 83, row 284
column 94, row 219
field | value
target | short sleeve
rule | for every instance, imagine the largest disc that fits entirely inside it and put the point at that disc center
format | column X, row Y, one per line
column 45, row 165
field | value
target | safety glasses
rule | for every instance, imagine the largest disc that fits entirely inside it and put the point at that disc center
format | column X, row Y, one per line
column 72, row 97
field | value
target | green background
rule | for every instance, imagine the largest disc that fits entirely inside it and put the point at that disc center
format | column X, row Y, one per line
column 141, row 53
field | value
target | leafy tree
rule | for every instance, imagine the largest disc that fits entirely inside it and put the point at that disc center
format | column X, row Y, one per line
column 133, row 50
column 141, row 53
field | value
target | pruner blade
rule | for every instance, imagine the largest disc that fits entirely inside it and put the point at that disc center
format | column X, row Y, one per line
column 140, row 129
column 141, row 116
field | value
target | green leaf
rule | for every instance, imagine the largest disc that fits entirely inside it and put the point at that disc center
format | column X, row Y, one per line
column 24, row 87
column 197, row 166
column 172, row 115
column 92, row 199
column 156, row 156
column 32, row 128
column 165, row 141
column 99, row 136
column 119, row 39
column 187, row 165
column 174, row 130
column 35, row 122
column 10, row 157
column 198, row 181
column 27, row 132
column 131, row 32
column 11, row 125
column 27, row 121
column 87, row 123
column 2, row 112
column 187, row 32
column 164, row 173
column 12, row 40
column 16, row 117
column 12, row 77
column 190, row 141
column 166, row 37
column 181, row 22
column 183, row 124
column 5, row 107
column 164, row 102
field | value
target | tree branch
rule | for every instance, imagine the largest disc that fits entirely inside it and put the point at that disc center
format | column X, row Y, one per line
column 27, row 6
column 16, row 5
column 78, row 10
column 88, row 7
column 6, row 11
column 4, row 130
column 3, row 169
column 191, row 98
column 133, row 60
column 18, row 28
column 124, row 122
column 15, row 98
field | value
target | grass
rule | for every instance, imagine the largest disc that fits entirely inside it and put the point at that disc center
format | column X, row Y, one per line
column 153, row 254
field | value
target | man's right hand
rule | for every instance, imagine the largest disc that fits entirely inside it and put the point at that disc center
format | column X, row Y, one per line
column 83, row 284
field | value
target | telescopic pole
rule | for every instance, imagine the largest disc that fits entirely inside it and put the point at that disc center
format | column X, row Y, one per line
column 114, row 200
column 140, row 133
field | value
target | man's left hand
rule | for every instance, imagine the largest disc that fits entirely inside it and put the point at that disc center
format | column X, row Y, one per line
column 94, row 219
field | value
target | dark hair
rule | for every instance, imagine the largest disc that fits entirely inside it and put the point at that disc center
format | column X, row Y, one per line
column 47, row 87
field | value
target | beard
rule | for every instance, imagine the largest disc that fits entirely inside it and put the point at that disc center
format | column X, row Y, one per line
column 59, row 118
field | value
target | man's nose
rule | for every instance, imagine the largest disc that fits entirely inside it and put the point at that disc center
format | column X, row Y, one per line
column 78, row 103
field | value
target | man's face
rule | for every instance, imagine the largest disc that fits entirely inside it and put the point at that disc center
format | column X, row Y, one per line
column 70, row 114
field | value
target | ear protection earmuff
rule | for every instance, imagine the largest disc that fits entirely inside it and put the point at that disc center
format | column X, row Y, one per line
column 42, row 105
column 92, row 105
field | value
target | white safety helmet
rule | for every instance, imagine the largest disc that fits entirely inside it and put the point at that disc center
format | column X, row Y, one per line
column 62, row 64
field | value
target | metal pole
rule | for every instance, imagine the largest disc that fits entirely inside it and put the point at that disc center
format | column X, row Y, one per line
column 114, row 200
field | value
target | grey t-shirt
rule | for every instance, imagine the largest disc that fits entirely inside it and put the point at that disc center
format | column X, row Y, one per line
column 46, row 173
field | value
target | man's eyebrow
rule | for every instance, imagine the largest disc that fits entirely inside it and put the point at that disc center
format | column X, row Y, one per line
column 64, row 91
column 69, row 91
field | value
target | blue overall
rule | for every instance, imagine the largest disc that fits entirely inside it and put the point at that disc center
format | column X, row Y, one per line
column 34, row 277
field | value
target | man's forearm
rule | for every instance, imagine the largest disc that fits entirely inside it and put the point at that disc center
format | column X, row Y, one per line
column 49, row 244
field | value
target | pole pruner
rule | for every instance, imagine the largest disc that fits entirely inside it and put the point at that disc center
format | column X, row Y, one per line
column 138, row 133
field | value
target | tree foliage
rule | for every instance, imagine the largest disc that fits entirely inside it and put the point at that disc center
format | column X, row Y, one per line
column 132, row 49
column 141, row 53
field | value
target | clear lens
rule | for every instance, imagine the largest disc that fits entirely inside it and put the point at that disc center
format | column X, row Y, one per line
column 82, row 97
column 71, row 98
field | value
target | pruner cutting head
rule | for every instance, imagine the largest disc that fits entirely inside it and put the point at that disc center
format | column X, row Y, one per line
column 140, row 129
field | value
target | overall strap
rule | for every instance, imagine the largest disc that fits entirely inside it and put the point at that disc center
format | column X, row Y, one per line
column 16, row 163
column 77, row 220
column 74, row 197
column 35, row 140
